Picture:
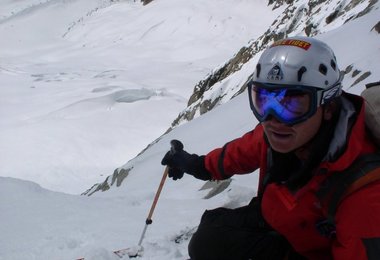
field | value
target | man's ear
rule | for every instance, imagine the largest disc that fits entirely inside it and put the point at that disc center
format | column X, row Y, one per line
column 329, row 111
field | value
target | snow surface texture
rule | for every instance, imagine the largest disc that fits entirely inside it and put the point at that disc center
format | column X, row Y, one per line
column 84, row 92
column 86, row 84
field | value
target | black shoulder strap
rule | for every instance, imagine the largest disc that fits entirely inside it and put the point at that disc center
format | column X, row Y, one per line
column 373, row 84
column 365, row 170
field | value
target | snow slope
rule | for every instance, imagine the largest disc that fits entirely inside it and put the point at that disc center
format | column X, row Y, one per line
column 87, row 84
column 42, row 224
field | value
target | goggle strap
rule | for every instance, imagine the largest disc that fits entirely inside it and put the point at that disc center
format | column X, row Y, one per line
column 331, row 93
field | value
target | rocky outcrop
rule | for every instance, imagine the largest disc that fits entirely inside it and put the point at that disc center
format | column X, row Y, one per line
column 298, row 18
column 215, row 187
column 145, row 2
column 117, row 178
column 376, row 27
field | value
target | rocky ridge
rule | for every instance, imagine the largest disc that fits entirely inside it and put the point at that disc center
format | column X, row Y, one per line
column 301, row 17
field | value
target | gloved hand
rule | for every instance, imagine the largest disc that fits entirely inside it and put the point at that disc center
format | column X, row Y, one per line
column 180, row 162
column 175, row 159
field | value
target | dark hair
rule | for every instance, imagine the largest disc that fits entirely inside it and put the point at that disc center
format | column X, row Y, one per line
column 287, row 168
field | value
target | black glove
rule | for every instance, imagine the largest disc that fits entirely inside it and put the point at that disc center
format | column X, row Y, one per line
column 180, row 162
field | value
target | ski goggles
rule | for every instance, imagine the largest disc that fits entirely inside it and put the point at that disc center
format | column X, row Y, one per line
column 287, row 103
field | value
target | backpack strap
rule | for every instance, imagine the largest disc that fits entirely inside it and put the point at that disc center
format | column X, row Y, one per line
column 372, row 84
column 336, row 187
column 372, row 109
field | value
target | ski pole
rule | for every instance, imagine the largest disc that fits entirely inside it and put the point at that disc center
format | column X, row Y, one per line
column 176, row 146
column 149, row 220
column 135, row 251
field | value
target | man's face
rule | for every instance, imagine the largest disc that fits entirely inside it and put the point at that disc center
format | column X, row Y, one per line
column 283, row 138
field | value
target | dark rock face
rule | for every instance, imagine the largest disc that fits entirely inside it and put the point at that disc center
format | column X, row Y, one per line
column 376, row 27
column 145, row 2
column 358, row 75
column 117, row 177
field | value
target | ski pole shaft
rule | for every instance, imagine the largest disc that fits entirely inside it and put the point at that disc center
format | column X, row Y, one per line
column 175, row 147
column 149, row 218
column 142, row 235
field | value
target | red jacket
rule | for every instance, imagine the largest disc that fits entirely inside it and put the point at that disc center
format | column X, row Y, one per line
column 295, row 215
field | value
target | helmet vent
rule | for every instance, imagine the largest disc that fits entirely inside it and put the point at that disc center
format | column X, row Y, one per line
column 258, row 70
column 301, row 71
column 333, row 64
column 323, row 69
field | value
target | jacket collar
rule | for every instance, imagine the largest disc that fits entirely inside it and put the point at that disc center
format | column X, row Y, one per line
column 350, row 138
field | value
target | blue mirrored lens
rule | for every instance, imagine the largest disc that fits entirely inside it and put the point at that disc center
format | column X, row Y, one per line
column 287, row 104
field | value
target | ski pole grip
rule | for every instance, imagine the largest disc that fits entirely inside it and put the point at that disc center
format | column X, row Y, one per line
column 175, row 146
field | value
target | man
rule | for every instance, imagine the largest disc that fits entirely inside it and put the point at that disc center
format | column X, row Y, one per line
column 309, row 130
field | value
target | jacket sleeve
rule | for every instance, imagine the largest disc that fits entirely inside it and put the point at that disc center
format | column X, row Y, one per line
column 240, row 156
column 357, row 225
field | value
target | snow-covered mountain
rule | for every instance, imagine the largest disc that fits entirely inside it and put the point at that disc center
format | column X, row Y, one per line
column 87, row 85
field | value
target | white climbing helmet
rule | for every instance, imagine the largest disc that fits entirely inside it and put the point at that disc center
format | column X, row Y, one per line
column 293, row 73
column 298, row 61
